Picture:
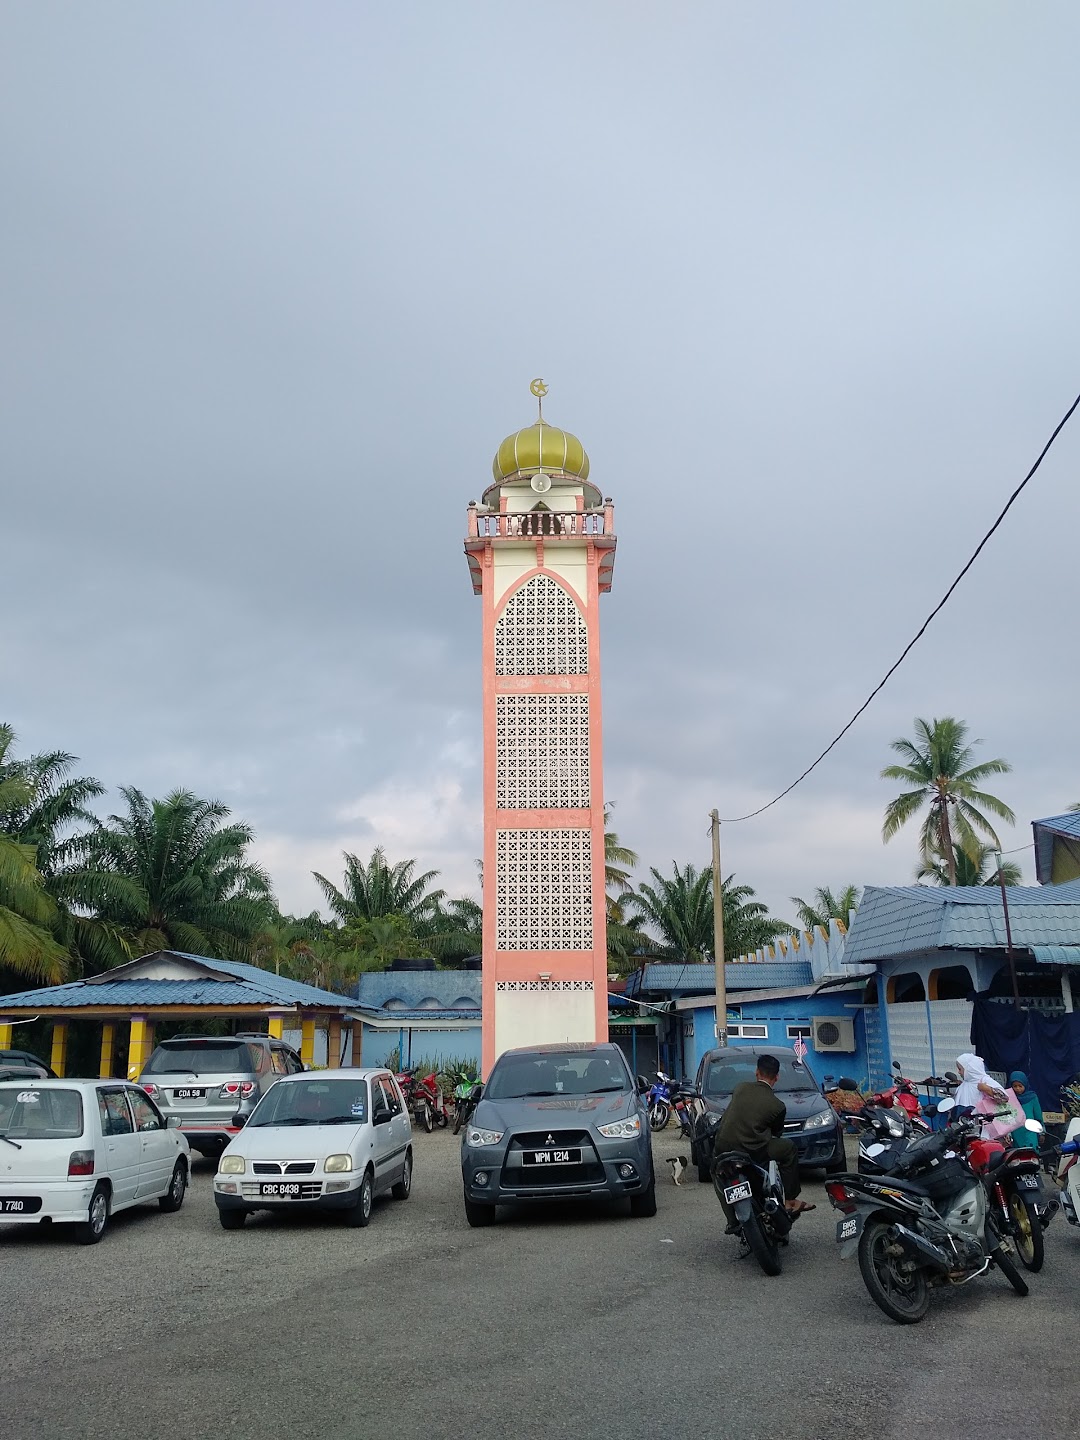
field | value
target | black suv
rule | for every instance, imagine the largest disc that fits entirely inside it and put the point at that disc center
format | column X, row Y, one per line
column 812, row 1124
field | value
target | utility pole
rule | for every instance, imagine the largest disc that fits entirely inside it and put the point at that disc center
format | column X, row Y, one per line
column 1008, row 935
column 718, row 933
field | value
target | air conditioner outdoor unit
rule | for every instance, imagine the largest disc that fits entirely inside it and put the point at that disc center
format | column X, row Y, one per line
column 833, row 1032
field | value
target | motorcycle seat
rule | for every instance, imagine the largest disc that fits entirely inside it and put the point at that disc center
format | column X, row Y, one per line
column 732, row 1157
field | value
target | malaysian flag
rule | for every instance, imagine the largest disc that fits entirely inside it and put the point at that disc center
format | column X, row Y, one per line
column 800, row 1049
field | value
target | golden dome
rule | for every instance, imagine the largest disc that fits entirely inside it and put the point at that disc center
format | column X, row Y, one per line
column 540, row 446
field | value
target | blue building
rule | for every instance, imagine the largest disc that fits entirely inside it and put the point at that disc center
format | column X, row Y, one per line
column 425, row 1016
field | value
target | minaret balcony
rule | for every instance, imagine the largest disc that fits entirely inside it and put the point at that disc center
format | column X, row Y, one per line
column 592, row 527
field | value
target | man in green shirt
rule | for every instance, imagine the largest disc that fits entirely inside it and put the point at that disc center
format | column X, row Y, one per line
column 754, row 1122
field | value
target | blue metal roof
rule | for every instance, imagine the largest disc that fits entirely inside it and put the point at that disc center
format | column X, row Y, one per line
column 1056, row 954
column 1045, row 832
column 695, row 979
column 246, row 985
column 908, row 919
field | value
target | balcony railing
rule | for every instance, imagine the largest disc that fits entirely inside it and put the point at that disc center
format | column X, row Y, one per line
column 540, row 524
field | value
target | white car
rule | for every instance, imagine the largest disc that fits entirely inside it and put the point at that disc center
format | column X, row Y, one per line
column 73, row 1152
column 324, row 1140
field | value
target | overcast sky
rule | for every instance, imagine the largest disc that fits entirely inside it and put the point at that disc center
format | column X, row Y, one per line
column 275, row 279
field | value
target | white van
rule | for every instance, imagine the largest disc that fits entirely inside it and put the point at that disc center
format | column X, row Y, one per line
column 75, row 1151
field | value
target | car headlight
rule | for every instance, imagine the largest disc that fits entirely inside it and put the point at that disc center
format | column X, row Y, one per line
column 335, row 1164
column 475, row 1136
column 621, row 1129
column 819, row 1122
column 231, row 1165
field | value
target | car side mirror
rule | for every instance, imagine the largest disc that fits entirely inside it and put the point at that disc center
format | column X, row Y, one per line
column 239, row 1121
column 172, row 1122
column 382, row 1117
column 643, row 1085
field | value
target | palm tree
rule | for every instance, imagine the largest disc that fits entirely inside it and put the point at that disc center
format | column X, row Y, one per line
column 968, row 871
column 679, row 909
column 826, row 906
column 378, row 888
column 618, row 860
column 54, row 802
column 28, row 914
column 170, row 875
column 940, row 770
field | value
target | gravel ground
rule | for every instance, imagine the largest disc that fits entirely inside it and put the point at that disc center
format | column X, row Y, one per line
column 557, row 1322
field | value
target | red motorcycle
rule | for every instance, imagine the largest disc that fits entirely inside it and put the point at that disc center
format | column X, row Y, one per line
column 1013, row 1175
column 424, row 1099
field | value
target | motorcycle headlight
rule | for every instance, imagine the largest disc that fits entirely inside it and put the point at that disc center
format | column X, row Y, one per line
column 819, row 1122
column 621, row 1129
column 894, row 1127
column 231, row 1165
column 335, row 1164
column 476, row 1136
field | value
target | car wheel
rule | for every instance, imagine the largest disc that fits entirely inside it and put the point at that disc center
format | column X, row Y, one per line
column 478, row 1214
column 642, row 1206
column 90, row 1230
column 174, row 1196
column 232, row 1219
column 403, row 1188
column 360, row 1214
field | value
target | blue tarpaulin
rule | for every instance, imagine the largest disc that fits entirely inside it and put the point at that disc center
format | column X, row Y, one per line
column 1046, row 1047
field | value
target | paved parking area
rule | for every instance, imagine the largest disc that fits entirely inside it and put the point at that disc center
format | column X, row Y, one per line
column 553, row 1323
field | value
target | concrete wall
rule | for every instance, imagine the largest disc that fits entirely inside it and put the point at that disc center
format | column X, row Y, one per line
column 440, row 1046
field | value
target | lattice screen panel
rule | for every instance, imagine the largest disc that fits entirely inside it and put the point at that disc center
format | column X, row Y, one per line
column 541, row 632
column 542, row 752
column 543, row 890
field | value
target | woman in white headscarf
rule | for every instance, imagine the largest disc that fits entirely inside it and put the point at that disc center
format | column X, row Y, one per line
column 976, row 1082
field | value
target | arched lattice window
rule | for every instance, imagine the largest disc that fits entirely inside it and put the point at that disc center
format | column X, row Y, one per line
column 541, row 632
column 542, row 752
column 543, row 888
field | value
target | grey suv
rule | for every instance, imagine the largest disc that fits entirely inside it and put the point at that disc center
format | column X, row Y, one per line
column 203, row 1081
column 557, row 1122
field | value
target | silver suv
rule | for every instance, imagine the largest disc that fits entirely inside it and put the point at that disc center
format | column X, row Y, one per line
column 203, row 1081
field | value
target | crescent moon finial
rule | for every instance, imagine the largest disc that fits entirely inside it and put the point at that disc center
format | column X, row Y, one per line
column 539, row 389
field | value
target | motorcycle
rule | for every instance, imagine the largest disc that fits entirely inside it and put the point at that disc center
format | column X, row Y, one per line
column 1013, row 1178
column 755, row 1195
column 424, row 1100
column 659, row 1101
column 907, row 1099
column 933, row 1221
column 466, row 1097
column 1068, row 1174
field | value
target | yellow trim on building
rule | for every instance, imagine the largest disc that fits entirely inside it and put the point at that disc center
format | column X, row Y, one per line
column 58, row 1055
column 276, row 1026
column 108, row 1045
column 140, row 1044
column 5, row 1037
column 307, row 1039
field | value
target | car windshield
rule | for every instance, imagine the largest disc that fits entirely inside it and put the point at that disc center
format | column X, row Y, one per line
column 40, row 1114
column 517, row 1077
column 313, row 1102
column 200, row 1057
column 724, row 1075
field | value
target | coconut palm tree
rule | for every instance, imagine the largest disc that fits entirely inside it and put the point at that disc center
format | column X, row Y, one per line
column 618, row 860
column 679, row 909
column 28, row 914
column 171, row 875
column 826, row 906
column 55, row 802
column 982, row 870
column 377, row 888
column 940, row 770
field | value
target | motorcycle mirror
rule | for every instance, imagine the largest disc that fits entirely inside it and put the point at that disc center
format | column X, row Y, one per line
column 896, row 1065
column 945, row 1105
column 875, row 1150
column 952, row 1078
column 1034, row 1127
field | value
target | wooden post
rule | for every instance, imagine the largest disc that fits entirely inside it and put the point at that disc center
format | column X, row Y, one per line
column 333, row 1043
column 718, row 934
column 358, row 1042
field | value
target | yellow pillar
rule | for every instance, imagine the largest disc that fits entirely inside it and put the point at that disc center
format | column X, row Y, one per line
column 277, row 1026
column 5, row 1035
column 307, row 1039
column 140, row 1044
column 58, row 1058
column 333, row 1044
column 108, row 1040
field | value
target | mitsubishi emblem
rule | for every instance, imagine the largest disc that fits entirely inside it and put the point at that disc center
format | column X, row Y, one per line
column 549, row 1141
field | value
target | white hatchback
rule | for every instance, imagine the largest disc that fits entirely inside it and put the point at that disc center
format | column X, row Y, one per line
column 75, row 1151
column 328, row 1140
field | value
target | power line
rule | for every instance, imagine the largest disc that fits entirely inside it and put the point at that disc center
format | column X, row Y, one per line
column 922, row 629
